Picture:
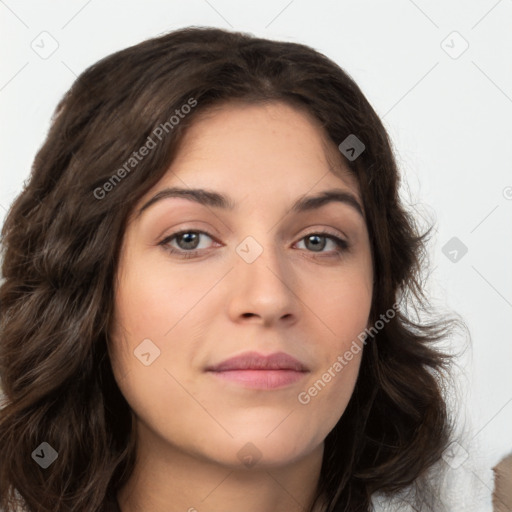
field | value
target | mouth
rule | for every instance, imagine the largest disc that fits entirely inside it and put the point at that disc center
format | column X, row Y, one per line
column 256, row 371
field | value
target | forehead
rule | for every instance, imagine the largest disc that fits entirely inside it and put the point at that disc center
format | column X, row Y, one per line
column 261, row 127
column 258, row 147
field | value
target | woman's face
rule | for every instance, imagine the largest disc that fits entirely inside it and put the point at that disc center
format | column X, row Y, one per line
column 255, row 278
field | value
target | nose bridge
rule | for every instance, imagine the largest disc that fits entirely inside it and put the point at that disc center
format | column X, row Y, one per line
column 264, row 279
column 262, row 256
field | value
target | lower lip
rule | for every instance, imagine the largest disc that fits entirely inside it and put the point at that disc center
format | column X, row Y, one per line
column 261, row 379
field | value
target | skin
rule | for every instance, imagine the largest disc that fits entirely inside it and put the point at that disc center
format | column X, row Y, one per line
column 502, row 494
column 191, row 425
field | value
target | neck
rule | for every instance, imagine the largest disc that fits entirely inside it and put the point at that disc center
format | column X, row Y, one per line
column 171, row 480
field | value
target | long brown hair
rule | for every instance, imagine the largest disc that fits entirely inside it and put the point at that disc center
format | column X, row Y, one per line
column 61, row 242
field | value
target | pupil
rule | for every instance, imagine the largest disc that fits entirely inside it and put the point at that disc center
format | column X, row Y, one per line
column 313, row 237
column 189, row 239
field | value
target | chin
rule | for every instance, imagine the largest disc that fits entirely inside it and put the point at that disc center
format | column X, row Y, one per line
column 257, row 449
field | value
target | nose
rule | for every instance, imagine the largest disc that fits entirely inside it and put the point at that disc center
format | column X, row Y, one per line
column 264, row 289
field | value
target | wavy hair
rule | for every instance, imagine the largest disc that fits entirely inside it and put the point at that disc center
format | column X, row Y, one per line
column 61, row 243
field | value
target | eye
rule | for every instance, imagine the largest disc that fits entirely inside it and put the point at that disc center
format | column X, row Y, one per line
column 318, row 241
column 188, row 242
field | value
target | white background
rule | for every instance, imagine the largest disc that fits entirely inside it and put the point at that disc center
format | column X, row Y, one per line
column 449, row 116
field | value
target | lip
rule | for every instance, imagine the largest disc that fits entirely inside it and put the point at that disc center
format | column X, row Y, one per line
column 257, row 371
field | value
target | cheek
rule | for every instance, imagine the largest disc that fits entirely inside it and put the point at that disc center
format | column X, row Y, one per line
column 343, row 308
column 150, row 307
column 343, row 305
column 327, row 393
column 151, row 301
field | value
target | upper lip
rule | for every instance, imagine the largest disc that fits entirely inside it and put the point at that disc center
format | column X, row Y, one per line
column 256, row 361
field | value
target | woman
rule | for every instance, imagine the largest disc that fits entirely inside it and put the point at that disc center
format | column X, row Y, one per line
column 275, row 367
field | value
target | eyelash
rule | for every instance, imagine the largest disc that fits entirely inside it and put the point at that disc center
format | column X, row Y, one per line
column 341, row 245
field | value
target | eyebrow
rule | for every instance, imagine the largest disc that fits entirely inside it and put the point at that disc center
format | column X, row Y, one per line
column 217, row 200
